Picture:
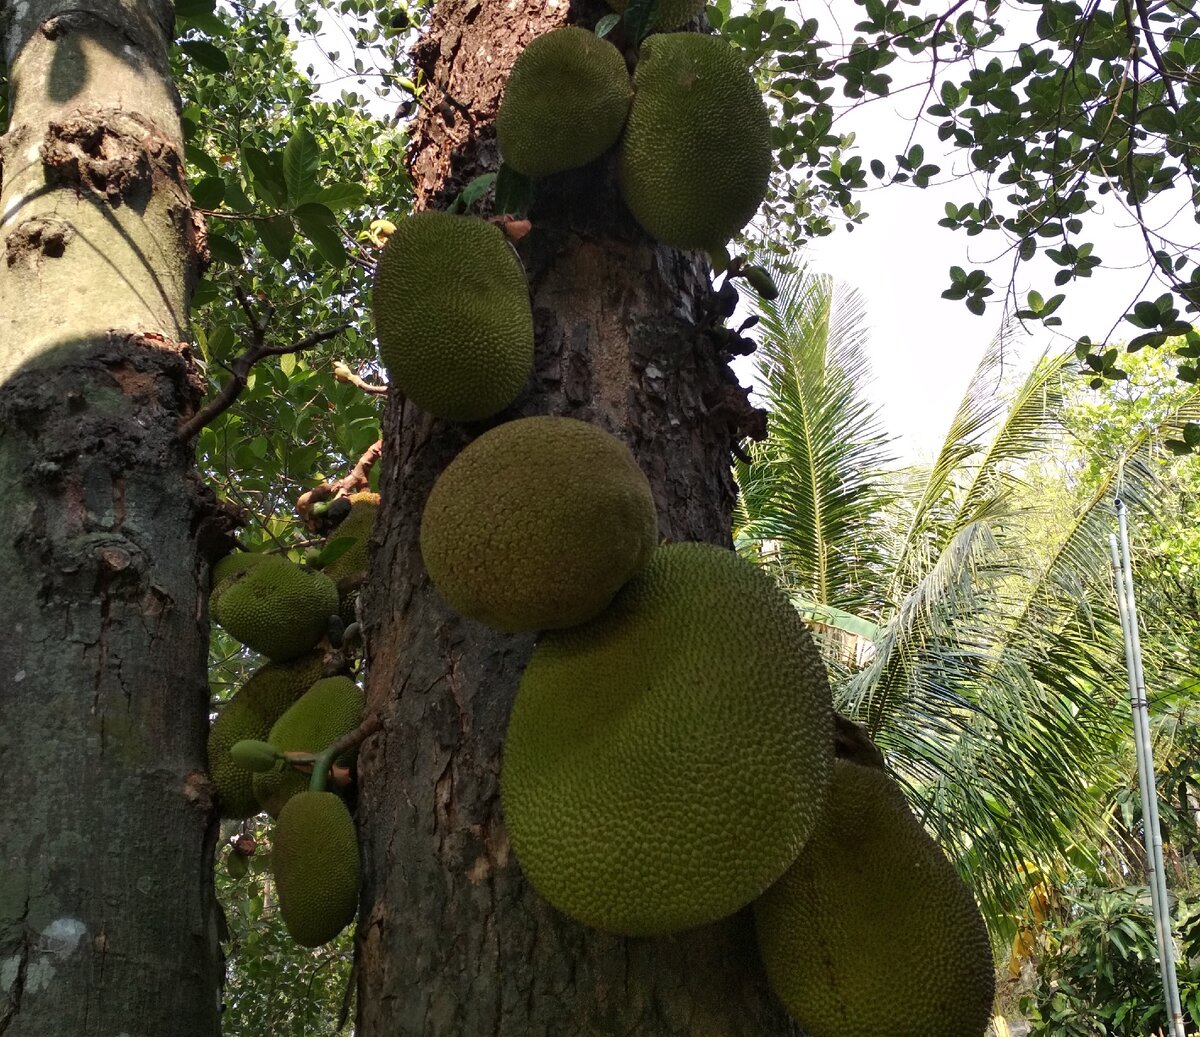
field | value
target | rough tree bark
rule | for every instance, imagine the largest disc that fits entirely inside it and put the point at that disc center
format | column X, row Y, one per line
column 452, row 940
column 107, row 921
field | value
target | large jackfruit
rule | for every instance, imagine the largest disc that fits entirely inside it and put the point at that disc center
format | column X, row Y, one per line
column 314, row 858
column 249, row 715
column 329, row 709
column 452, row 314
column 872, row 931
column 277, row 608
column 696, row 155
column 564, row 104
column 665, row 762
column 537, row 523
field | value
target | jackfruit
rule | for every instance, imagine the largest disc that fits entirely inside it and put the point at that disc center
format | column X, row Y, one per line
column 671, row 13
column 537, row 523
column 452, row 313
column 872, row 930
column 314, row 858
column 694, row 161
column 277, row 608
column 228, row 567
column 356, row 527
column 564, row 104
column 665, row 762
column 249, row 715
column 331, row 708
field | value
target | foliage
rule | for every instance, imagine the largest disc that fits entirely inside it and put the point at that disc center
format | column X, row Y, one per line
column 1086, row 107
column 1098, row 971
column 272, row 986
column 985, row 627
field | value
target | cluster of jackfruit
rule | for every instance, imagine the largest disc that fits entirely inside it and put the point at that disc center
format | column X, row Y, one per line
column 262, row 742
column 695, row 150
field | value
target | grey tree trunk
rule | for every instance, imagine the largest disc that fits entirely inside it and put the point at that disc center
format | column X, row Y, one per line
column 452, row 940
column 108, row 925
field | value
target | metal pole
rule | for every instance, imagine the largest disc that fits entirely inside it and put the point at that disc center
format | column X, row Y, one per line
column 1155, row 871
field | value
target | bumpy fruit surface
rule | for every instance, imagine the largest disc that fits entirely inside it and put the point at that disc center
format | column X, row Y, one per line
column 329, row 709
column 355, row 527
column 452, row 314
column 565, row 102
column 277, row 608
column 665, row 762
column 696, row 154
column 671, row 13
column 872, row 923
column 314, row 858
column 249, row 715
column 537, row 523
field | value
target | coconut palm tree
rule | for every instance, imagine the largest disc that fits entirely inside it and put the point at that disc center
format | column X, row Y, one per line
column 986, row 661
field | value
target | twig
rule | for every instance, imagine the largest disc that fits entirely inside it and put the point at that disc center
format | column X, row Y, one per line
column 358, row 479
column 359, row 735
column 343, row 374
column 240, row 369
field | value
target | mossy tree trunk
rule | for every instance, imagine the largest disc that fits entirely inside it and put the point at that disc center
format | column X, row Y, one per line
column 452, row 940
column 107, row 921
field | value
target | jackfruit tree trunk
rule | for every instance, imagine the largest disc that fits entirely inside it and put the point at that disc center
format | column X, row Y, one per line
column 107, row 921
column 452, row 940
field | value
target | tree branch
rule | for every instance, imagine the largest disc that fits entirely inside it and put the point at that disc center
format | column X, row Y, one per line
column 240, row 370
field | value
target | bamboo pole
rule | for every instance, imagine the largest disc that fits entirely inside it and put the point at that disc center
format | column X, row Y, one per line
column 1151, row 832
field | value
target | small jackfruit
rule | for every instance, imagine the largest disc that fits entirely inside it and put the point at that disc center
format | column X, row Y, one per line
column 665, row 762
column 537, row 523
column 331, row 708
column 694, row 161
column 277, row 608
column 249, row 715
column 255, row 755
column 873, row 924
column 355, row 527
column 452, row 313
column 314, row 858
column 564, row 104
column 671, row 13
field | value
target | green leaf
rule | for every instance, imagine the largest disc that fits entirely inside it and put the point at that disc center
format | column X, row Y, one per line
column 209, row 192
column 301, row 160
column 225, row 250
column 277, row 234
column 514, row 192
column 475, row 190
column 607, row 24
column 265, row 173
column 640, row 17
column 211, row 57
column 194, row 8
column 340, row 195
column 318, row 224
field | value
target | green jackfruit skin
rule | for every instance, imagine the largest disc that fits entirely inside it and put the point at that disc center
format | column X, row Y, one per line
column 665, row 763
column 277, row 608
column 228, row 567
column 565, row 102
column 357, row 527
column 249, row 715
column 696, row 155
column 537, row 524
column 314, row 858
column 671, row 13
column 331, row 708
column 452, row 314
column 872, row 930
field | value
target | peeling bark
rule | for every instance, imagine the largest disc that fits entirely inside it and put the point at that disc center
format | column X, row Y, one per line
column 452, row 940
column 108, row 924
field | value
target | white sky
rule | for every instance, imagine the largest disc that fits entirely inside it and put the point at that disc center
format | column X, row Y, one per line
column 924, row 348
